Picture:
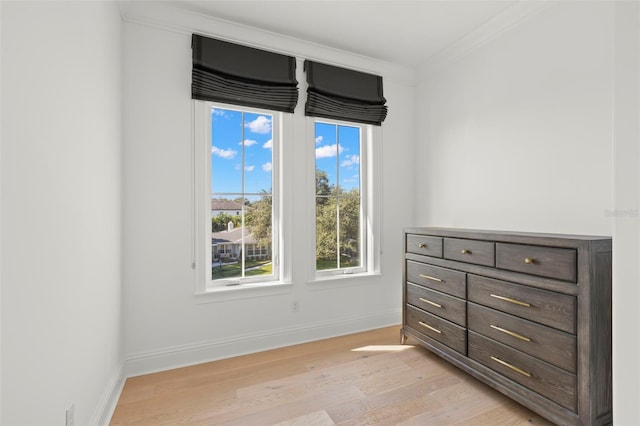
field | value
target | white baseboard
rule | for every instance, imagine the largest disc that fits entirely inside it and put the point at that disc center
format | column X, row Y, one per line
column 182, row 356
column 107, row 405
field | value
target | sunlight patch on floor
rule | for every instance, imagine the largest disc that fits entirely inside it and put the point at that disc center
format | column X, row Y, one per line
column 382, row 348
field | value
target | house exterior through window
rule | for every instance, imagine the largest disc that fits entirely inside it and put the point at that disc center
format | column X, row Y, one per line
column 239, row 201
column 239, row 169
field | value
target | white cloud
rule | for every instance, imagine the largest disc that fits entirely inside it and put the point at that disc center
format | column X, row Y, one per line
column 351, row 160
column 217, row 112
column 261, row 124
column 267, row 167
column 223, row 153
column 352, row 179
column 268, row 144
column 327, row 151
column 319, row 139
column 249, row 168
column 248, row 142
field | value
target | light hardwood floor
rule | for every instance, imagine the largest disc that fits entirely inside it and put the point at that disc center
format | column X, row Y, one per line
column 360, row 379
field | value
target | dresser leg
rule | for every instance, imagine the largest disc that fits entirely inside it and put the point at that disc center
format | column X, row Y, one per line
column 403, row 338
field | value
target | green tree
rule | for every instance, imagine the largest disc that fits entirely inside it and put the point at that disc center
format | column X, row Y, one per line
column 346, row 208
column 258, row 219
column 326, row 229
column 323, row 189
column 350, row 228
column 221, row 222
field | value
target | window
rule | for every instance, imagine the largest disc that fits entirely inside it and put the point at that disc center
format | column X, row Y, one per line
column 241, row 237
column 236, row 151
column 342, row 200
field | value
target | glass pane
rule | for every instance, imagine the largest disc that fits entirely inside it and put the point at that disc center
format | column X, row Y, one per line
column 338, row 174
column 226, row 212
column 349, row 159
column 349, row 230
column 326, row 153
column 258, row 158
column 257, row 236
column 224, row 248
column 226, row 151
column 326, row 233
column 241, row 204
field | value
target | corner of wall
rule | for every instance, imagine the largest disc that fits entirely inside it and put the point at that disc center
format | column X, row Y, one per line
column 109, row 400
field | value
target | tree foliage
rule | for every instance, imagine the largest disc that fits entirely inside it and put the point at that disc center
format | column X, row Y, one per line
column 337, row 212
column 323, row 188
column 221, row 221
column 258, row 219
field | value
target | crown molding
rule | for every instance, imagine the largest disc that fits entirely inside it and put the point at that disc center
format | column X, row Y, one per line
column 493, row 29
column 178, row 18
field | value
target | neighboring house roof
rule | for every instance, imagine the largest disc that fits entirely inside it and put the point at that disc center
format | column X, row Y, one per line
column 225, row 205
column 233, row 236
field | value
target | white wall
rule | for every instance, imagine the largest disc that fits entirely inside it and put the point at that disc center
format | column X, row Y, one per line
column 61, row 284
column 516, row 134
column 626, row 216
column 1, row 210
column 166, row 325
column 526, row 132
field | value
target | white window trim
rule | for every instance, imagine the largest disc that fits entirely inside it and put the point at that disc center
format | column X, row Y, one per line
column 201, row 160
column 371, row 167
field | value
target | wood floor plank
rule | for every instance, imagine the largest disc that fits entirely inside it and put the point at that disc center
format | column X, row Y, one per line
column 417, row 391
column 283, row 410
column 516, row 416
column 330, row 377
column 364, row 378
column 319, row 418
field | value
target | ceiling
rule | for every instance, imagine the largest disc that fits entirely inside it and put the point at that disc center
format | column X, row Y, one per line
column 404, row 32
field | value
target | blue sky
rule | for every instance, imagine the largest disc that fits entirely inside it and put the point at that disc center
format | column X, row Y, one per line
column 231, row 137
column 239, row 144
column 338, row 154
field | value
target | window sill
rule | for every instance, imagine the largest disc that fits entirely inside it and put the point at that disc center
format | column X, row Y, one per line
column 242, row 291
column 340, row 280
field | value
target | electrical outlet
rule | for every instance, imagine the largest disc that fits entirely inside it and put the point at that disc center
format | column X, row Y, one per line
column 295, row 306
column 71, row 416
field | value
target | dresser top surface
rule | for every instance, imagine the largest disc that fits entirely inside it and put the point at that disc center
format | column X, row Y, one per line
column 502, row 236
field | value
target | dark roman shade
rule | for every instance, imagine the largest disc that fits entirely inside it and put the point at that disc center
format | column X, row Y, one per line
column 344, row 94
column 240, row 75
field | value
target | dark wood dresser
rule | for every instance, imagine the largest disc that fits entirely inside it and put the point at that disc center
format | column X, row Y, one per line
column 528, row 314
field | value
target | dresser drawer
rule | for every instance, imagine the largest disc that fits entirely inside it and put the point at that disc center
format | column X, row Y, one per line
column 441, row 279
column 470, row 251
column 445, row 306
column 548, row 262
column 544, row 307
column 540, row 341
column 425, row 245
column 437, row 328
column 551, row 382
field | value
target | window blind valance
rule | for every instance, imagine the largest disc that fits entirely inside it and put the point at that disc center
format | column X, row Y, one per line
column 241, row 75
column 344, row 94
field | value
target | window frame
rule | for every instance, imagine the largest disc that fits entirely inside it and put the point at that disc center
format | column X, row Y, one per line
column 201, row 160
column 370, row 194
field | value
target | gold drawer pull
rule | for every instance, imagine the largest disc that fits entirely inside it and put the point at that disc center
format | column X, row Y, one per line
column 430, row 302
column 465, row 251
column 422, row 245
column 513, row 367
column 429, row 327
column 511, row 333
column 528, row 260
column 429, row 277
column 506, row 299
